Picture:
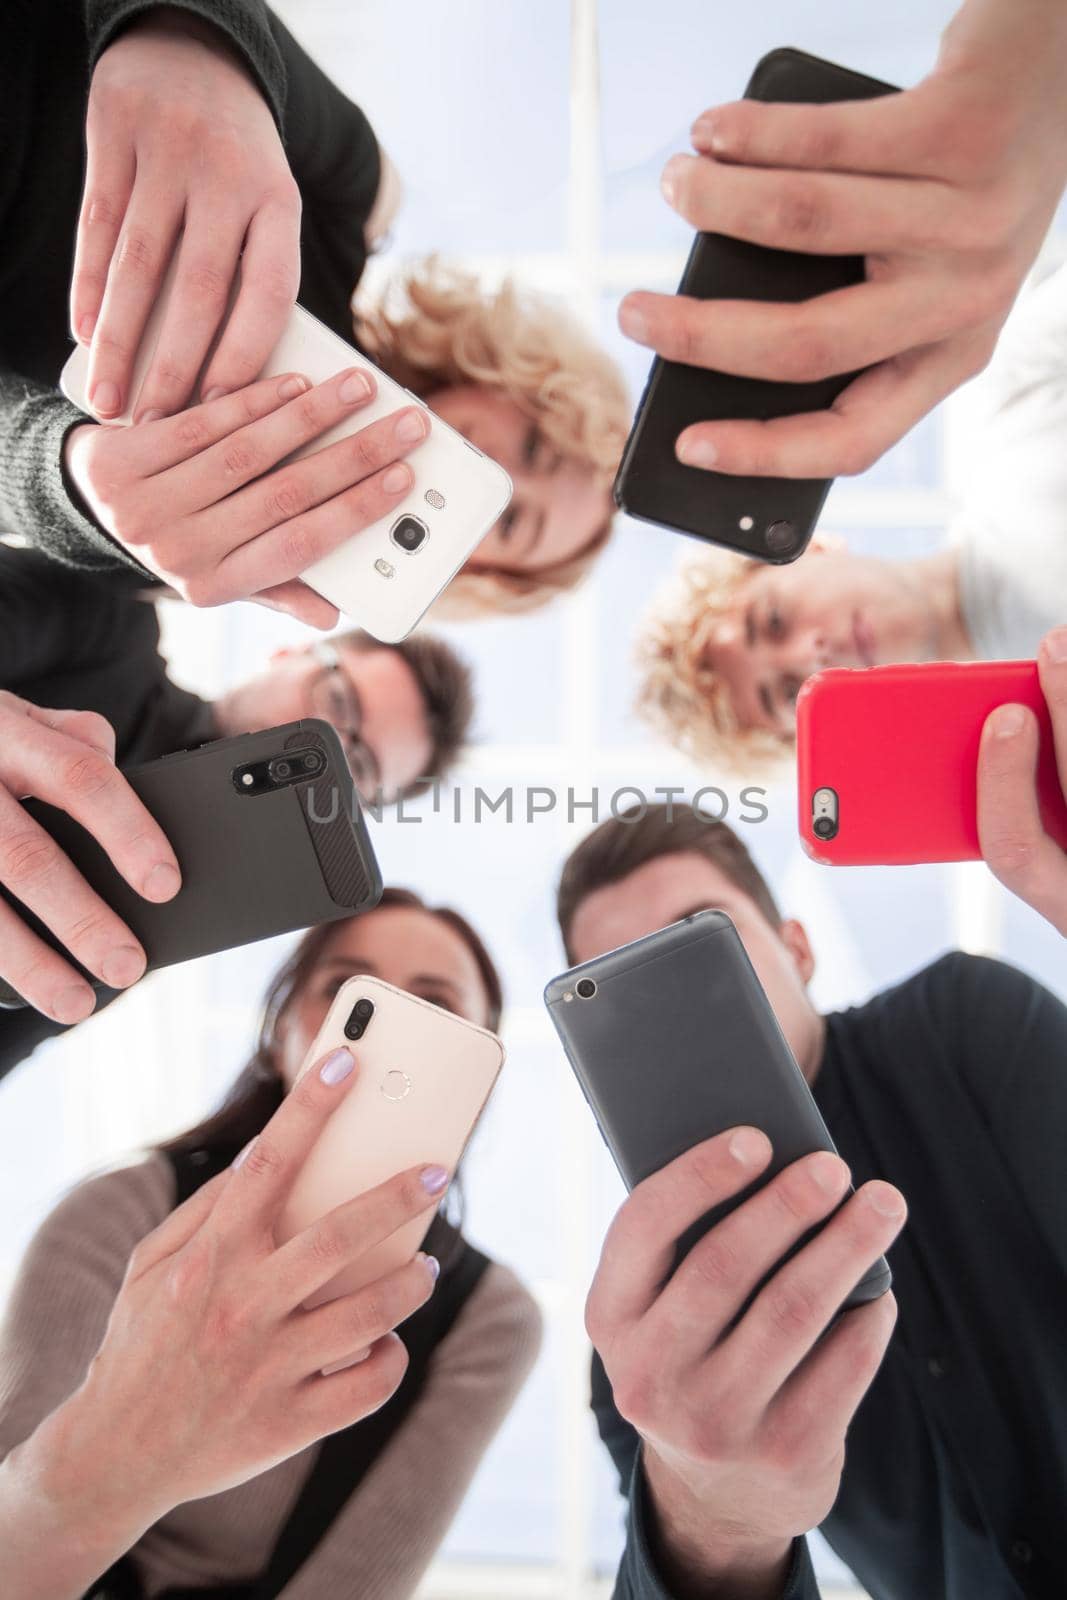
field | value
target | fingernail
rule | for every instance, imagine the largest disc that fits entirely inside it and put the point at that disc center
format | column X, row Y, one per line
column 433, row 1264
column 163, row 882
column 396, row 479
column 433, row 1179
column 828, row 1172
column 412, row 426
column 86, row 326
column 1008, row 721
column 122, row 967
column 106, row 399
column 337, row 1066
column 706, row 133
column 748, row 1145
column 633, row 322
column 355, row 387
column 884, row 1199
column 74, row 1004
column 213, row 394
column 292, row 387
column 1055, row 645
column 696, row 452
column 672, row 174
column 241, row 1155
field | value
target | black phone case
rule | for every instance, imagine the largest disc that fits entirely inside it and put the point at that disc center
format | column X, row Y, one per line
column 652, row 484
column 680, row 1043
column 253, row 865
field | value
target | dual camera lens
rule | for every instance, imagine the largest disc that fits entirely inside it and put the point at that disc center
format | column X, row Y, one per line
column 305, row 765
column 359, row 1019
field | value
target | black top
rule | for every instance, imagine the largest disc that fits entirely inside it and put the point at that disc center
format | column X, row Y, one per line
column 50, row 47
column 953, row 1086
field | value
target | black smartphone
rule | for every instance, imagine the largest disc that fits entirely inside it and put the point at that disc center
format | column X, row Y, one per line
column 673, row 1041
column 269, row 834
column 771, row 519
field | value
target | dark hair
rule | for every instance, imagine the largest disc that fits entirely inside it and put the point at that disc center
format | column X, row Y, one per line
column 258, row 1090
column 626, row 842
column 446, row 686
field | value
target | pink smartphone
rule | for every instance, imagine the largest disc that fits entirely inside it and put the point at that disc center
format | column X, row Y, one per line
column 424, row 1077
column 887, row 760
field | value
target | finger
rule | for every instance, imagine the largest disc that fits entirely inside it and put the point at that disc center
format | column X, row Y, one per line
column 337, row 1401
column 319, row 1252
column 354, row 1322
column 109, row 175
column 297, row 600
column 869, row 416
column 269, row 1165
column 712, row 1284
column 1011, row 836
column 144, row 248
column 39, row 975
column 818, row 1402
column 1052, row 672
column 818, row 213
column 207, row 261
column 178, row 1227
column 796, row 1306
column 88, row 726
column 841, row 331
column 892, row 134
column 160, row 444
column 270, row 278
column 639, row 1249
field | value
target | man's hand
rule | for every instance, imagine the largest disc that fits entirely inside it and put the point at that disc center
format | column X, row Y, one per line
column 743, row 1425
column 1014, row 843
column 68, row 759
column 194, row 498
column 179, row 138
column 947, row 189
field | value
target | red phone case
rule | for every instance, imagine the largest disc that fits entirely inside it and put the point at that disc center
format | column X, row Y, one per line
column 899, row 746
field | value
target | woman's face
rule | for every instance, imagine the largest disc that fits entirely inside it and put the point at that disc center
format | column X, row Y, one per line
column 558, row 506
column 409, row 948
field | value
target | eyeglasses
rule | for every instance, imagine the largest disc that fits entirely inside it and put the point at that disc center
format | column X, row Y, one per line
column 334, row 698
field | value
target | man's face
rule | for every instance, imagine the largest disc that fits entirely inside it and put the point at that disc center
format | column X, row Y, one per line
column 674, row 886
column 831, row 608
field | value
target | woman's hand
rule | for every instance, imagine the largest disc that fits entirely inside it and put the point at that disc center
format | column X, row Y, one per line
column 211, row 1370
column 200, row 500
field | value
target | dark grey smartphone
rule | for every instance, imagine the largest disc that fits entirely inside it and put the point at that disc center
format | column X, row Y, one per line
column 673, row 1041
column 269, row 834
column 771, row 519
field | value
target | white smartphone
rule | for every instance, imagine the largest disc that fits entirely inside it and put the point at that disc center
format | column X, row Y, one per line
column 386, row 577
column 424, row 1077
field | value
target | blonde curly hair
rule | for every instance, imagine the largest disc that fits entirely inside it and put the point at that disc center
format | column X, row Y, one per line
column 681, row 698
column 436, row 326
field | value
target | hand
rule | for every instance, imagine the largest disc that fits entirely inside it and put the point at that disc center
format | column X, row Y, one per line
column 212, row 1305
column 947, row 189
column 194, row 498
column 743, row 1426
column 178, row 137
column 67, row 758
column 1013, row 840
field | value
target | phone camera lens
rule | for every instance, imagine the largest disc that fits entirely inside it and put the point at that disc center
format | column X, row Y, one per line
column 359, row 1018
column 409, row 534
column 781, row 537
column 364, row 1009
column 585, row 988
column 280, row 770
column 824, row 827
column 313, row 762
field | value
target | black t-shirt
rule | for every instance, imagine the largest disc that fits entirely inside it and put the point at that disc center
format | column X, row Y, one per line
column 953, row 1086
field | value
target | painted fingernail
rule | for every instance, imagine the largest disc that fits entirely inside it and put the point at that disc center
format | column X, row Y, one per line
column 672, row 176
column 707, row 134
column 633, row 322
column 828, row 1172
column 1055, row 645
column 292, row 387
column 106, row 399
column 163, row 882
column 748, row 1145
column 148, row 416
column 337, row 1066
column 433, row 1179
column 696, row 452
column 412, row 426
column 242, row 1155
column 433, row 1265
column 86, row 326
column 1008, row 721
column 396, row 479
column 355, row 387
column 217, row 393
column 74, row 1004
column 122, row 967
column 887, row 1201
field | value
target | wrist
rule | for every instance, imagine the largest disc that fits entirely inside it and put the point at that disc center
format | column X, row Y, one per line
column 175, row 22
column 699, row 1554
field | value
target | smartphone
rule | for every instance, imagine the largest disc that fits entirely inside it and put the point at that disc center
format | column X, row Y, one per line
column 771, row 519
column 673, row 1041
column 887, row 760
column 268, row 832
column 386, row 577
column 424, row 1077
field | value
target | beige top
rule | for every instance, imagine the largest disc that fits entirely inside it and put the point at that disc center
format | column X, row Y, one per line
column 384, row 1538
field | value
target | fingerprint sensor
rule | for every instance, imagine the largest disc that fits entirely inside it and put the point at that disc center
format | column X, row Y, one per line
column 396, row 1085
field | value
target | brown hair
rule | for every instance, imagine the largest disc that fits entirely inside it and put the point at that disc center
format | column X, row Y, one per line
column 446, row 686
column 626, row 842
